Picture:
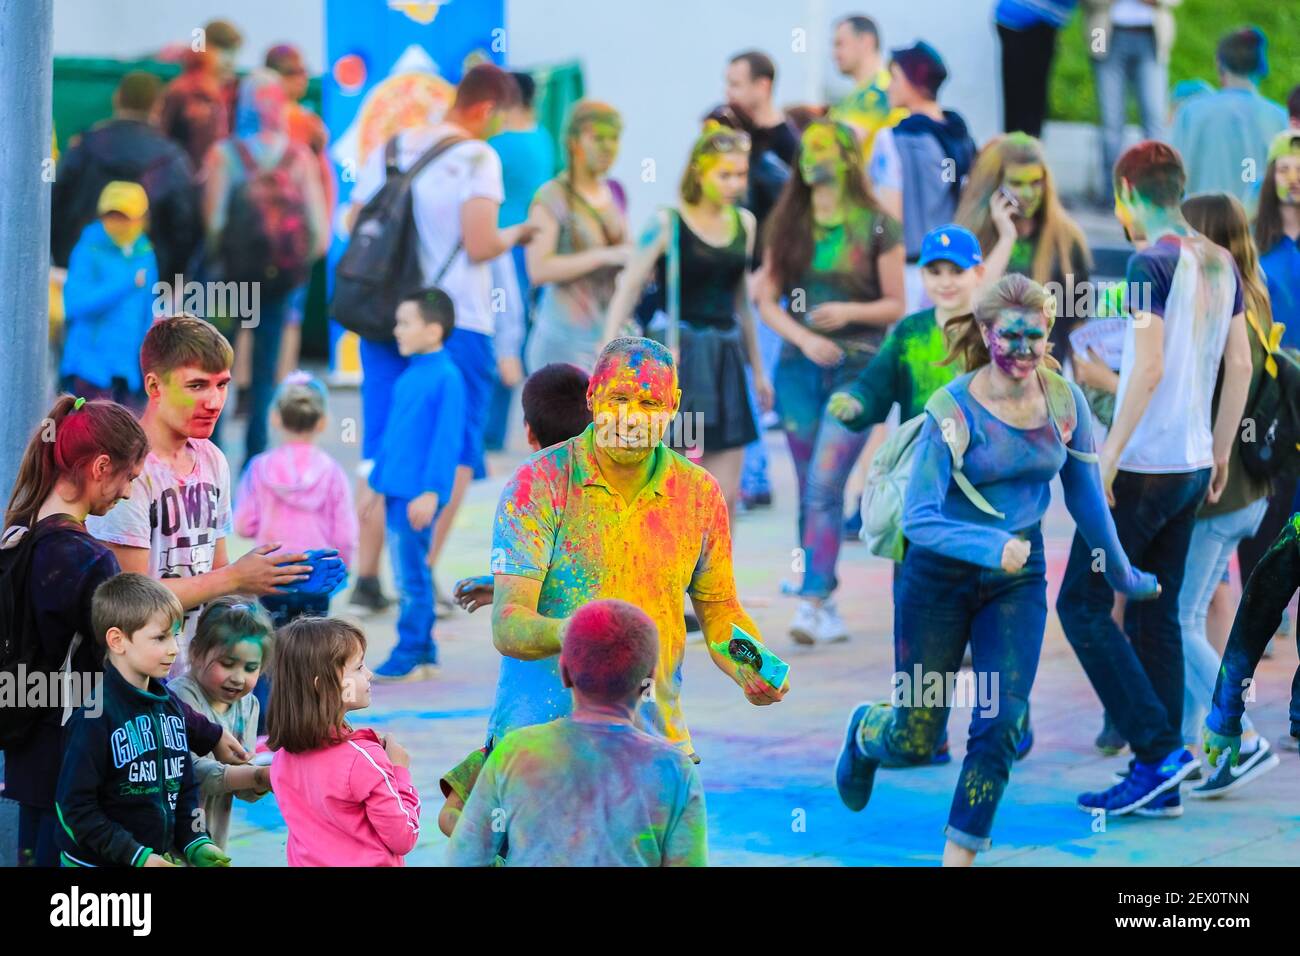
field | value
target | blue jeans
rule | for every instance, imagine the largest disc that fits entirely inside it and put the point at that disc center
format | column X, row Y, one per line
column 943, row 603
column 473, row 355
column 409, row 550
column 1213, row 542
column 824, row 453
column 1139, row 680
column 36, row 841
column 754, row 477
column 381, row 364
column 266, row 361
column 1131, row 63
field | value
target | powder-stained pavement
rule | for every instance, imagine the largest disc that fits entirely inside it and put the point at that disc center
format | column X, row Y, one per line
column 767, row 771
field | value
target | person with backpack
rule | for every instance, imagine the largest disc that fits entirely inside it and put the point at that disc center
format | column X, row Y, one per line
column 927, row 156
column 833, row 284
column 992, row 443
column 266, row 223
column 442, row 185
column 127, row 147
column 1164, row 455
column 581, row 242
column 81, row 461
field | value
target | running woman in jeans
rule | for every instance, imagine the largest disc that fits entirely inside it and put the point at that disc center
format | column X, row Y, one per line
column 834, row 283
column 1160, row 461
column 976, row 572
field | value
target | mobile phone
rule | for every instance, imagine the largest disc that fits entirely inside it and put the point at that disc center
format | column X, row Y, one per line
column 1010, row 197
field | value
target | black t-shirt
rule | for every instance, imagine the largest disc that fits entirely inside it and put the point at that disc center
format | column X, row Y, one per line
column 781, row 139
column 67, row 565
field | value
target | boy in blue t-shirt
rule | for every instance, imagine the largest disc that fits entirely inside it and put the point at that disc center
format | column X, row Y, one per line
column 415, row 468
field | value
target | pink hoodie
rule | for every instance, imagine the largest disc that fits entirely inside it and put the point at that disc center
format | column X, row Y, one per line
column 346, row 804
column 298, row 495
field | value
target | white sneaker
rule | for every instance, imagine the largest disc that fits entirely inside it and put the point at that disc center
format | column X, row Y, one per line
column 830, row 627
column 804, row 627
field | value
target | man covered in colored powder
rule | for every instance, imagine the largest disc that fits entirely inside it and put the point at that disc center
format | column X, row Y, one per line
column 612, row 513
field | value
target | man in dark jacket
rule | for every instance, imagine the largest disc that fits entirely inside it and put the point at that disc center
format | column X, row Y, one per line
column 127, row 793
column 927, row 156
column 127, row 147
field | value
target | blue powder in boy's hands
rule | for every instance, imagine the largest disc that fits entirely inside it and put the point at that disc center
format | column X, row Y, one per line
column 328, row 573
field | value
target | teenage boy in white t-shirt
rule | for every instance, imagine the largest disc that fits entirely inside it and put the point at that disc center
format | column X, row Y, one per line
column 455, row 200
column 1162, row 459
column 173, row 527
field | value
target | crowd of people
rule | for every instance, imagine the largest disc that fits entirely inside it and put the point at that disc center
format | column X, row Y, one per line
column 864, row 273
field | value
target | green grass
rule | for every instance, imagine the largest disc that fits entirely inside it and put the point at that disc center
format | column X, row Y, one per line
column 1200, row 25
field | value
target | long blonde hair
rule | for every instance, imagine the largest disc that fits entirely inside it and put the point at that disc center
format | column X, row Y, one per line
column 1222, row 219
column 1058, row 235
column 965, row 333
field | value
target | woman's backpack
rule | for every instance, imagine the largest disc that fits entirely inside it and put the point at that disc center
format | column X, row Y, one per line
column 891, row 467
column 266, row 238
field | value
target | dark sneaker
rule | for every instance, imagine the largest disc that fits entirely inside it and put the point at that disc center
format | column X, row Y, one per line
column 367, row 598
column 854, row 772
column 853, row 526
column 941, row 753
column 401, row 668
column 757, row 499
column 1227, row 778
column 1141, row 786
column 1168, row 804
column 1109, row 741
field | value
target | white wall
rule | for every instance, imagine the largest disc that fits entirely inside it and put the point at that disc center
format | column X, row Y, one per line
column 660, row 61
column 132, row 28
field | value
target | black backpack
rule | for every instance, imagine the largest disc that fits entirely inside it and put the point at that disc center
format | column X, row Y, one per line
column 20, row 643
column 381, row 264
column 1274, row 408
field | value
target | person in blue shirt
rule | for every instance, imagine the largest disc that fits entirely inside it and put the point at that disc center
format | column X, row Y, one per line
column 1222, row 135
column 108, row 300
column 985, row 560
column 1277, row 231
column 415, row 468
column 528, row 158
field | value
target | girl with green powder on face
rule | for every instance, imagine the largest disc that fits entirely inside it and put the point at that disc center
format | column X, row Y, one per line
column 1048, row 246
column 581, row 242
column 707, row 301
column 832, row 283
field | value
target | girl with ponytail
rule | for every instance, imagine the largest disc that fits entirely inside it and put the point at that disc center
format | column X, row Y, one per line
column 80, row 461
column 974, row 570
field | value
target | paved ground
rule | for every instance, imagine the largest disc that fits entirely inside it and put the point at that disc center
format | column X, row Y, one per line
column 767, row 771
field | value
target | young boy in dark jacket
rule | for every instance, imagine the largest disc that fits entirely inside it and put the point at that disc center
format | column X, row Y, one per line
column 126, row 793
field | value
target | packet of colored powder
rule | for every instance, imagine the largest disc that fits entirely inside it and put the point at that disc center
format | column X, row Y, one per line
column 744, row 648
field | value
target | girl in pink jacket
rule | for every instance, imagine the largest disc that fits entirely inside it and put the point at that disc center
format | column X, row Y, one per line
column 297, row 494
column 345, row 794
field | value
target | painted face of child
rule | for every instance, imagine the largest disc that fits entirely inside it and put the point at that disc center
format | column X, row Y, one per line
column 1026, row 181
column 191, row 400
column 1017, row 342
column 152, row 649
column 723, row 178
column 1286, row 175
column 122, row 229
column 949, row 286
column 231, row 672
column 355, row 680
column 820, row 162
column 598, row 146
column 633, row 401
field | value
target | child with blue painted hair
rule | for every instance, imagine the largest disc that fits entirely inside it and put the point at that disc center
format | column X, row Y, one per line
column 227, row 655
column 298, row 495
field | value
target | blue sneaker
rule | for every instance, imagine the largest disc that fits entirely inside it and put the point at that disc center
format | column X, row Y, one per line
column 402, row 667
column 1026, row 744
column 1168, row 804
column 942, row 754
column 854, row 772
column 1142, row 785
